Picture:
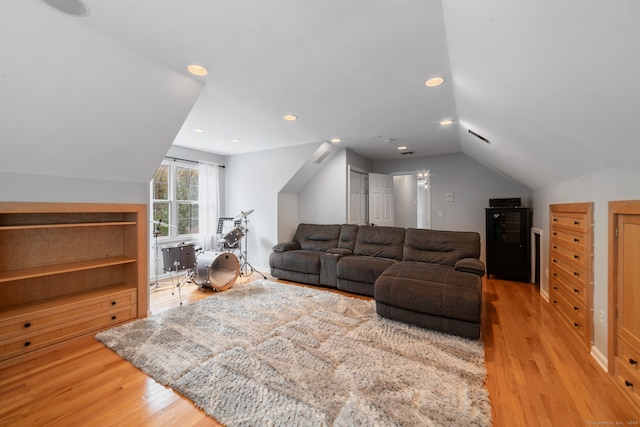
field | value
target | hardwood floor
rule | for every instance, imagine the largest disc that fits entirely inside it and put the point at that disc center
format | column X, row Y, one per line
column 538, row 375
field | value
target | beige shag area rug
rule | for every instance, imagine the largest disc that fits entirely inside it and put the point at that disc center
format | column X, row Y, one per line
column 272, row 354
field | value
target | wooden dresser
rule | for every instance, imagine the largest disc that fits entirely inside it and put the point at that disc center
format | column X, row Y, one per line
column 571, row 266
column 68, row 270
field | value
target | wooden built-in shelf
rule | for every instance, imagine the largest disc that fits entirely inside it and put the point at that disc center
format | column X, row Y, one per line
column 68, row 270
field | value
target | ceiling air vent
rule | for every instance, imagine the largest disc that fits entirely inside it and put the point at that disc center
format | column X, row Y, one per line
column 404, row 153
column 479, row 136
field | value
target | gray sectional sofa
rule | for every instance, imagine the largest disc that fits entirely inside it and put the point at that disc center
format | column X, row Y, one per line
column 429, row 278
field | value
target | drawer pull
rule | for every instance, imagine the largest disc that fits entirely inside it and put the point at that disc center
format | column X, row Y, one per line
column 576, row 324
column 113, row 317
column 555, row 274
column 26, row 325
column 555, row 288
column 555, row 248
column 627, row 383
column 576, row 222
column 576, row 291
column 555, row 219
column 555, row 261
column 113, row 303
column 576, row 257
column 633, row 362
column 575, row 273
column 555, row 301
column 555, row 234
column 27, row 343
column 575, row 308
column 576, row 240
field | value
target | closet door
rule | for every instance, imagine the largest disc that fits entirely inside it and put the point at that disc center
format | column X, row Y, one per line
column 624, row 296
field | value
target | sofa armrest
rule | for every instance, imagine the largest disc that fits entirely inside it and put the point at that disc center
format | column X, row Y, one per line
column 339, row 251
column 286, row 246
column 470, row 265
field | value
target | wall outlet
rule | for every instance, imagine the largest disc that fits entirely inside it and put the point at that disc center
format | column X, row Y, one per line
column 448, row 197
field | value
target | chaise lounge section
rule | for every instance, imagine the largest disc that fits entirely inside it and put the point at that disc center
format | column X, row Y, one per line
column 429, row 278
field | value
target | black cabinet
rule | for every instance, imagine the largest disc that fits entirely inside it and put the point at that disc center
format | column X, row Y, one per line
column 508, row 247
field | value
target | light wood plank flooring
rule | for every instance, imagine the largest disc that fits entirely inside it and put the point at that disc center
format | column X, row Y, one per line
column 538, row 375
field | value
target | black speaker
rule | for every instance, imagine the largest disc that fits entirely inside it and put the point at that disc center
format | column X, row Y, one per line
column 505, row 203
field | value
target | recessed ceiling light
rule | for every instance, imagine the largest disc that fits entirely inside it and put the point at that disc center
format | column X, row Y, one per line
column 198, row 130
column 434, row 81
column 290, row 117
column 197, row 70
column 335, row 140
column 446, row 122
column 402, row 147
column 235, row 141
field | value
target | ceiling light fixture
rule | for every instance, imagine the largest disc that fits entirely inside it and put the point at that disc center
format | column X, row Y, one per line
column 402, row 147
column 335, row 140
column 235, row 141
column 198, row 130
column 446, row 122
column 434, row 81
column 197, row 70
column 290, row 117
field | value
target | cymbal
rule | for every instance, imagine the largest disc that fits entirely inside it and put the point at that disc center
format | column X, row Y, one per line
column 243, row 214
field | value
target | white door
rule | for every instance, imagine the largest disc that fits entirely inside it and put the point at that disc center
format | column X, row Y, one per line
column 357, row 198
column 381, row 199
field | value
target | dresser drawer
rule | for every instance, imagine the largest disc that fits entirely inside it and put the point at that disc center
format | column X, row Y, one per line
column 628, row 356
column 568, row 252
column 43, row 316
column 572, row 310
column 572, row 274
column 33, row 340
column 570, row 220
column 628, row 379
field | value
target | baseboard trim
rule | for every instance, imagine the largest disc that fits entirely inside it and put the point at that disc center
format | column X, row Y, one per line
column 602, row 360
column 544, row 294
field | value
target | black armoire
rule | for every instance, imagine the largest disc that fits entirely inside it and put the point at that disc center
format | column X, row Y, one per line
column 508, row 246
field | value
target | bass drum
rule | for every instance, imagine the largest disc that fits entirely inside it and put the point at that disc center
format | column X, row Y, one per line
column 217, row 270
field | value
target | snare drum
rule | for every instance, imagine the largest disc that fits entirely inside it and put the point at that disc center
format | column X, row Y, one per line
column 233, row 236
column 217, row 270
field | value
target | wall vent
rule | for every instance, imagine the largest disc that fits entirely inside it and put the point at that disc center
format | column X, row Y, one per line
column 479, row 136
column 404, row 153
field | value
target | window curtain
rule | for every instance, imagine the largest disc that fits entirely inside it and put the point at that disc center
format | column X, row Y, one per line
column 209, row 201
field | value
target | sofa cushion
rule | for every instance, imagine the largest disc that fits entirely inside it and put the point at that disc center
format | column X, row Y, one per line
column 348, row 234
column 362, row 268
column 432, row 289
column 440, row 247
column 378, row 241
column 302, row 261
column 317, row 237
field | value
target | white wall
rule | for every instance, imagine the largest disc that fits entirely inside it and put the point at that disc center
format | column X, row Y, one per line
column 619, row 183
column 471, row 183
column 324, row 199
column 253, row 181
column 405, row 203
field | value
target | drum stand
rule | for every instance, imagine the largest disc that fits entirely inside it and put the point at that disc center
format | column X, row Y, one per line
column 187, row 278
column 245, row 266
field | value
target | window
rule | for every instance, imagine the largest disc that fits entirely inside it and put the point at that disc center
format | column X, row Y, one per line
column 175, row 199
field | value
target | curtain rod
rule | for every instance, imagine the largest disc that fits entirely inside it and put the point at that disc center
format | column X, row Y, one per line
column 192, row 161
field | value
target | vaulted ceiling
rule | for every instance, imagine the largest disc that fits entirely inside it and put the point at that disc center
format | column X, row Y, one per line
column 551, row 85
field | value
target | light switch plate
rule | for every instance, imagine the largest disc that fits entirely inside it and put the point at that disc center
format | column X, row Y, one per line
column 448, row 197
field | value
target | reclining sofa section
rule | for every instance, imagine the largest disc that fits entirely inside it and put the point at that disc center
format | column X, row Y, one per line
column 429, row 278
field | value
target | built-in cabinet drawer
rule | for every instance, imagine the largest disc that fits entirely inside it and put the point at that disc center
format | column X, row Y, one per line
column 571, row 265
column 28, row 328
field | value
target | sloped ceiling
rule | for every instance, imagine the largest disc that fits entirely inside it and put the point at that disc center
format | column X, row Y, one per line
column 74, row 103
column 552, row 85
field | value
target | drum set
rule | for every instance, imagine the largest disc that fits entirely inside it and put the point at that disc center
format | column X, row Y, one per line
column 217, row 269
